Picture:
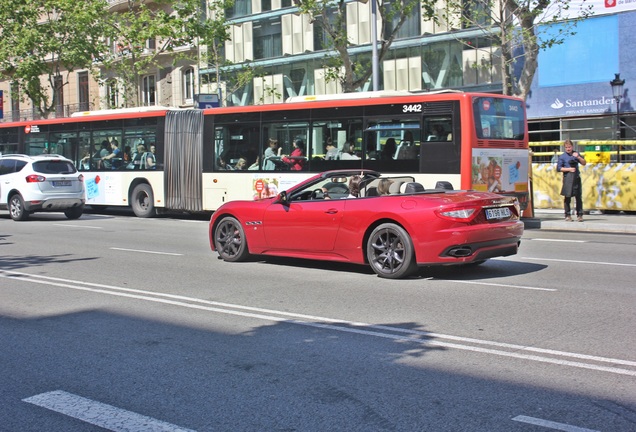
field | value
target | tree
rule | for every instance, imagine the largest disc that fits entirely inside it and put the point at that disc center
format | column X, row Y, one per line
column 142, row 34
column 214, row 32
column 330, row 16
column 515, row 27
column 43, row 42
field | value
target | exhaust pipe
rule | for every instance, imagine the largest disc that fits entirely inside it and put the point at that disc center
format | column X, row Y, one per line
column 460, row 252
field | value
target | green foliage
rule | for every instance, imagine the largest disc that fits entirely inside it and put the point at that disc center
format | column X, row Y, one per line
column 330, row 16
column 48, row 38
column 514, row 28
column 173, row 27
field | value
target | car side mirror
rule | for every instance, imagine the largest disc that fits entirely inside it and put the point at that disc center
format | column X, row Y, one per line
column 282, row 198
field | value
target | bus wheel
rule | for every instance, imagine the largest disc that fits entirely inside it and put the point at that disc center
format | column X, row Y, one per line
column 143, row 201
column 229, row 240
column 390, row 252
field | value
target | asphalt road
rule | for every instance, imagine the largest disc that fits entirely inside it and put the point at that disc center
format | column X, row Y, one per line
column 117, row 323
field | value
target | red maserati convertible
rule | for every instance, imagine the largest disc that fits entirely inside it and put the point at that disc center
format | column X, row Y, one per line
column 389, row 223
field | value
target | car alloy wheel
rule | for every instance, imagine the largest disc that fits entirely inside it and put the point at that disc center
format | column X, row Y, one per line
column 390, row 252
column 229, row 240
column 16, row 208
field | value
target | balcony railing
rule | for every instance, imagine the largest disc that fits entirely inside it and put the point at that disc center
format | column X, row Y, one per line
column 60, row 112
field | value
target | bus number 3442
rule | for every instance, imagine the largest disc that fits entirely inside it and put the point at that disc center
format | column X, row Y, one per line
column 412, row 108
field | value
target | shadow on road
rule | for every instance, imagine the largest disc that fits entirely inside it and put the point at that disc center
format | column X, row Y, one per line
column 309, row 376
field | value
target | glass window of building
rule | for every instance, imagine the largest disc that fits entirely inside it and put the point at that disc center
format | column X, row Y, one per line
column 188, row 85
column 148, row 90
column 411, row 26
column 82, row 87
column 240, row 8
column 268, row 41
column 112, row 94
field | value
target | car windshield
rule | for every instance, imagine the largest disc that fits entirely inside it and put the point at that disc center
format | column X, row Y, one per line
column 55, row 166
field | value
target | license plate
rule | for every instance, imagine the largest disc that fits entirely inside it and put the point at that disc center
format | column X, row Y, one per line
column 498, row 213
column 61, row 183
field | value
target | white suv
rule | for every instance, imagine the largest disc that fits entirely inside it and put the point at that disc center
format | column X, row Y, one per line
column 40, row 183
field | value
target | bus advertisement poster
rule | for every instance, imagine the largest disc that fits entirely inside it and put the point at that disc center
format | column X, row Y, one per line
column 500, row 170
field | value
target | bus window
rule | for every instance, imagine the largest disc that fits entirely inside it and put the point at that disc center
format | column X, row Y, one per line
column 336, row 144
column 8, row 141
column 286, row 134
column 235, row 146
column 497, row 118
column 102, row 147
column 439, row 152
column 393, row 145
column 84, row 160
column 137, row 149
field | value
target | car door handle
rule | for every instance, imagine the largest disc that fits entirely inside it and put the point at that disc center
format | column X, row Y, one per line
column 332, row 211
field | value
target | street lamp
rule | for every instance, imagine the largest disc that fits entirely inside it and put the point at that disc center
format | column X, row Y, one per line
column 375, row 61
column 617, row 90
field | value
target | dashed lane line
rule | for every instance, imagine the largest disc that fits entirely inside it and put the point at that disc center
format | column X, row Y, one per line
column 100, row 414
column 562, row 358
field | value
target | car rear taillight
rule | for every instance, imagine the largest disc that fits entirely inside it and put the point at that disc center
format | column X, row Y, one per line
column 465, row 214
column 34, row 178
column 81, row 177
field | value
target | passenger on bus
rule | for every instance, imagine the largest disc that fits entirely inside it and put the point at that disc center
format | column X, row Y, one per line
column 272, row 152
column 137, row 157
column 150, row 158
column 256, row 165
column 101, row 153
column 406, row 149
column 372, row 153
column 85, row 163
column 113, row 160
column 241, row 165
column 222, row 165
column 296, row 159
column 348, row 151
column 389, row 149
column 332, row 151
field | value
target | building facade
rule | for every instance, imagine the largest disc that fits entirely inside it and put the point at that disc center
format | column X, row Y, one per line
column 289, row 50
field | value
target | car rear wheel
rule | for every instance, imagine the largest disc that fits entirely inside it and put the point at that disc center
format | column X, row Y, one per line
column 16, row 208
column 143, row 201
column 230, row 241
column 390, row 252
column 74, row 212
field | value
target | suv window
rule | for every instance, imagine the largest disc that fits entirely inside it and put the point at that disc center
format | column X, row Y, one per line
column 9, row 166
column 54, row 167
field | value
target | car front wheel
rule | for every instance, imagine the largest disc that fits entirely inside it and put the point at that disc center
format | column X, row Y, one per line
column 16, row 208
column 390, row 252
column 229, row 240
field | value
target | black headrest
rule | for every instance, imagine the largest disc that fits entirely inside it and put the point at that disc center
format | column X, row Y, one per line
column 444, row 185
column 413, row 187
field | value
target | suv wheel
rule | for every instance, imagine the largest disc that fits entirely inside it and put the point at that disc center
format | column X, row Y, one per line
column 74, row 212
column 16, row 208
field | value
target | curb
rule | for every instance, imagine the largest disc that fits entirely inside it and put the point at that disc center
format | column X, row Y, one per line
column 552, row 225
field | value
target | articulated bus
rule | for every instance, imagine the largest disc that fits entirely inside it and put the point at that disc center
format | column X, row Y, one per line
column 195, row 160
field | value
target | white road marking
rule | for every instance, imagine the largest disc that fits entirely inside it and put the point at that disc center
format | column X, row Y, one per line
column 580, row 262
column 388, row 332
column 78, row 226
column 100, row 414
column 557, row 240
column 146, row 251
column 500, row 285
column 551, row 425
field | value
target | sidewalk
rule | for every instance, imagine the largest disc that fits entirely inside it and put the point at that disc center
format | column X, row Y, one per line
column 596, row 221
